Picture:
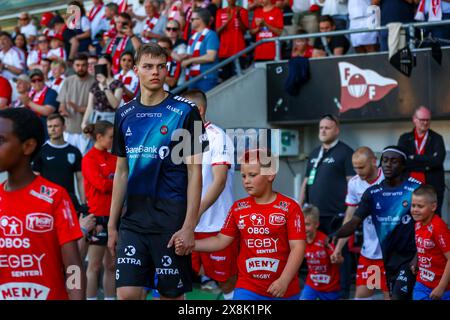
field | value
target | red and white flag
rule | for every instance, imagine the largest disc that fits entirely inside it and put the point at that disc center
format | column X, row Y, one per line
column 361, row 86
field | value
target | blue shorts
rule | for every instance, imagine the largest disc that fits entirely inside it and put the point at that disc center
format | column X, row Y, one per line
column 309, row 293
column 422, row 292
column 244, row 294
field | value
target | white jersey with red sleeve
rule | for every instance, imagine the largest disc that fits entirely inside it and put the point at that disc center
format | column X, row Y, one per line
column 35, row 222
column 220, row 152
column 130, row 80
column 356, row 187
column 58, row 53
column 264, row 231
column 432, row 241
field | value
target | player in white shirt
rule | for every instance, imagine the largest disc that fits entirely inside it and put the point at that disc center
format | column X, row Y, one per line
column 217, row 199
column 366, row 41
column 10, row 63
column 368, row 174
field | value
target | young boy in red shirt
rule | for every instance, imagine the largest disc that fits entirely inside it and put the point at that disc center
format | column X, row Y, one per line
column 271, row 232
column 322, row 282
column 39, row 257
column 433, row 247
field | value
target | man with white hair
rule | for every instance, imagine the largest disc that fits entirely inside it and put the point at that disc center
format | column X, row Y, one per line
column 426, row 153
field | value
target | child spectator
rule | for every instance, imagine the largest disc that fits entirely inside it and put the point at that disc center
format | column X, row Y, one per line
column 57, row 51
column 271, row 232
column 322, row 282
column 433, row 247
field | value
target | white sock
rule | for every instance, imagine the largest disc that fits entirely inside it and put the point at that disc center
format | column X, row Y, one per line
column 110, row 298
column 228, row 296
column 92, row 298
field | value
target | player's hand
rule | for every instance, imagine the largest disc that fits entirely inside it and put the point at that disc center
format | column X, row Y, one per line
column 278, row 288
column 186, row 63
column 112, row 240
column 437, row 293
column 179, row 246
column 88, row 222
column 186, row 237
column 336, row 257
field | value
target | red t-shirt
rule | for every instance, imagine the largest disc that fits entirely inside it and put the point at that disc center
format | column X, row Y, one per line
column 264, row 232
column 322, row 274
column 232, row 37
column 274, row 18
column 35, row 222
column 432, row 241
column 5, row 89
column 98, row 169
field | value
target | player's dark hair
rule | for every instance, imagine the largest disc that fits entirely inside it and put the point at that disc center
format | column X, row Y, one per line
column 26, row 125
column 54, row 116
column 326, row 18
column 397, row 149
column 100, row 127
column 427, row 191
column 197, row 96
column 152, row 49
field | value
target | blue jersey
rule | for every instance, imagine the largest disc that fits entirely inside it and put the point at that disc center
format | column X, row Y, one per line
column 390, row 210
column 157, row 178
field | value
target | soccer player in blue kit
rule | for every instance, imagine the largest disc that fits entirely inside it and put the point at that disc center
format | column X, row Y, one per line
column 389, row 204
column 160, row 178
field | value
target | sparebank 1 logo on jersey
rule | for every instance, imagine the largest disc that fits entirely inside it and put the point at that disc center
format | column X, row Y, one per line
column 361, row 86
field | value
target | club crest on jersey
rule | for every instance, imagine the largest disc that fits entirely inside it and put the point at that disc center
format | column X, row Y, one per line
column 283, row 205
column 405, row 203
column 257, row 220
column 71, row 158
column 164, row 129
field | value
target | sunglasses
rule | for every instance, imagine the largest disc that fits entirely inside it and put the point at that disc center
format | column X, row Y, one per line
column 37, row 80
column 171, row 29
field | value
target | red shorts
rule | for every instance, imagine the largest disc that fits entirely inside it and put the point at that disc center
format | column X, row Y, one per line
column 219, row 265
column 368, row 278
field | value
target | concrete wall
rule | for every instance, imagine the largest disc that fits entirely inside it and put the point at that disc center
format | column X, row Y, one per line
column 241, row 103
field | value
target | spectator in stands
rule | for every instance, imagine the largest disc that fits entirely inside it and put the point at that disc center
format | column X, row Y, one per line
column 82, row 38
column 27, row 27
column 231, row 25
column 426, row 153
column 425, row 12
column 92, row 61
column 111, row 15
column 173, row 32
column 125, row 40
column 394, row 11
column 45, row 67
column 20, row 42
column 57, row 51
column 41, row 99
column 325, row 184
column 254, row 4
column 23, row 86
column 46, row 18
column 366, row 41
column 329, row 46
column 97, row 18
column 73, row 99
column 5, row 93
column 301, row 47
column 35, row 57
column 188, row 7
column 10, row 63
column 137, row 13
column 128, row 77
column 267, row 23
column 58, row 69
column 338, row 10
column 306, row 16
column 105, row 95
column 173, row 66
column 154, row 22
column 202, row 49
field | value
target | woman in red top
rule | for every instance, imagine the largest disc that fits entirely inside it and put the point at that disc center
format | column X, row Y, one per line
column 98, row 167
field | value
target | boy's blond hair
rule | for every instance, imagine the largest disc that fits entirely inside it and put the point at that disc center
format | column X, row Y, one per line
column 426, row 191
column 313, row 212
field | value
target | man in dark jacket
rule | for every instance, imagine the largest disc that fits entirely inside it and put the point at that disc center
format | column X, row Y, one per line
column 426, row 153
